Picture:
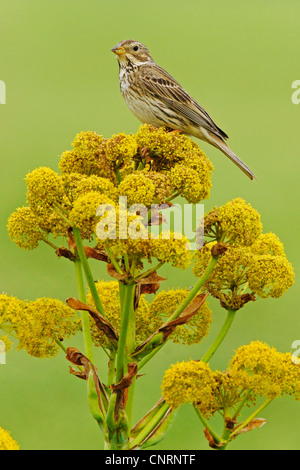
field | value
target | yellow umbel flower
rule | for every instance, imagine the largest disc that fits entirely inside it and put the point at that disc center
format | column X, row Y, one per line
column 24, row 229
column 270, row 276
column 138, row 189
column 241, row 273
column 7, row 442
column 162, row 184
column 11, row 310
column 44, row 321
column 166, row 148
column 171, row 247
column 166, row 302
column 44, row 188
column 78, row 185
column 235, row 223
column 268, row 244
column 87, row 157
column 272, row 373
column 83, row 215
column 120, row 149
column 191, row 381
column 180, row 158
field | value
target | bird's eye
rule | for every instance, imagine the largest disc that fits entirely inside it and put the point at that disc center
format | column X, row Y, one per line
column 136, row 48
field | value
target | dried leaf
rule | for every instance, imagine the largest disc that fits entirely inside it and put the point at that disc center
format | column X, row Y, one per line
column 211, row 442
column 102, row 323
column 218, row 249
column 121, row 388
column 96, row 254
column 65, row 253
column 127, row 379
column 185, row 315
column 161, row 335
column 150, row 284
column 79, row 359
column 77, row 373
column 254, row 424
column 71, row 239
column 114, row 273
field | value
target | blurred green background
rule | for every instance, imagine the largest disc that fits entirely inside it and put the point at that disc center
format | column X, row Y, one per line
column 238, row 59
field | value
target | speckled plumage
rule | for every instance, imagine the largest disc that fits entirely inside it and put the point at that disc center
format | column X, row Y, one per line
column 156, row 98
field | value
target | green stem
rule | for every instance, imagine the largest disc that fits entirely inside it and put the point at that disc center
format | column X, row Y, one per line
column 126, row 262
column 150, row 426
column 49, row 243
column 170, row 198
column 226, row 431
column 84, row 315
column 206, row 424
column 58, row 210
column 112, row 259
column 241, row 405
column 149, row 271
column 223, row 332
column 87, row 270
column 130, row 346
column 194, row 291
column 126, row 316
column 111, row 368
column 250, row 418
column 118, row 175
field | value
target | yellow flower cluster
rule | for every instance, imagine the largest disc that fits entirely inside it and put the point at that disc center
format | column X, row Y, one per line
column 24, row 229
column 38, row 324
column 83, row 214
column 272, row 374
column 166, row 302
column 85, row 157
column 44, row 188
column 253, row 265
column 235, row 223
column 176, row 154
column 77, row 185
column 6, row 441
column 138, row 189
column 121, row 149
column 255, row 370
column 189, row 381
column 148, row 167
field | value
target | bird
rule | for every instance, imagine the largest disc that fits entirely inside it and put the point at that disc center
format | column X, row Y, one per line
column 156, row 98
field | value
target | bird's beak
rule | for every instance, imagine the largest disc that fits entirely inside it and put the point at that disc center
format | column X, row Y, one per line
column 119, row 50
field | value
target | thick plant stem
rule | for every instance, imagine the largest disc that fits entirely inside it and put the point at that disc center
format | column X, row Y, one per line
column 127, row 313
column 130, row 346
column 87, row 270
column 223, row 332
column 84, row 315
column 206, row 424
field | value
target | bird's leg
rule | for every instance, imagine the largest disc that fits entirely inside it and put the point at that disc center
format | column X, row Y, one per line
column 173, row 131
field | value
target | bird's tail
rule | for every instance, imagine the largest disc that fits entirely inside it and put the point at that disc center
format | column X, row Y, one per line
column 221, row 145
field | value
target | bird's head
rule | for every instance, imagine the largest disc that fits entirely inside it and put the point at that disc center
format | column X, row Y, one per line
column 132, row 52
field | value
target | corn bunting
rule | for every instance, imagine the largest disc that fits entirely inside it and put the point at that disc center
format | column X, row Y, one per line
column 156, row 98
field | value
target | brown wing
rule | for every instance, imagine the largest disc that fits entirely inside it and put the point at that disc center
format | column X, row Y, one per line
column 163, row 86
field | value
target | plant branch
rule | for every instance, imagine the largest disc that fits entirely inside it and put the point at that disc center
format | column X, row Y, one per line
column 223, row 332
